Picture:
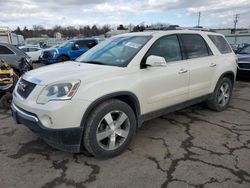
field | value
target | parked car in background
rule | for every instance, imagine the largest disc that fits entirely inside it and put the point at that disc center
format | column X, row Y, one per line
column 98, row 101
column 70, row 50
column 235, row 47
column 244, row 61
column 32, row 51
column 15, row 58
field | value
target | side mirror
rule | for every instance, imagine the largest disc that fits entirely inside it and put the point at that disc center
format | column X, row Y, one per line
column 76, row 47
column 156, row 61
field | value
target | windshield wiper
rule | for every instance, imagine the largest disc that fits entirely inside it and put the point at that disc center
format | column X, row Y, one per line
column 93, row 62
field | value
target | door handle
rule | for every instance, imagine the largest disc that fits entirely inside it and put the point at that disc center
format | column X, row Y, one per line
column 182, row 71
column 212, row 65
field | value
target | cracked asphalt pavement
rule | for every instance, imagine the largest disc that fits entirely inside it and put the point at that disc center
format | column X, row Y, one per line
column 194, row 147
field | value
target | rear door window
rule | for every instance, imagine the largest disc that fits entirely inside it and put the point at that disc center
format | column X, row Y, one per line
column 5, row 51
column 220, row 43
column 195, row 46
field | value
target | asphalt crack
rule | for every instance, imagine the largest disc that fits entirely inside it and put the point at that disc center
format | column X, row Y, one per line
column 62, row 179
column 187, row 145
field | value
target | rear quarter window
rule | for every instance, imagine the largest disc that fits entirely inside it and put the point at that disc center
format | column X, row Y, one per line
column 220, row 43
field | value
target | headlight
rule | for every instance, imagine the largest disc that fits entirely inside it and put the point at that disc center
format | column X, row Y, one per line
column 58, row 91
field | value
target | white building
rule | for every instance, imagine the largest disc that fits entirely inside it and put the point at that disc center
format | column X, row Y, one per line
column 6, row 35
column 237, row 36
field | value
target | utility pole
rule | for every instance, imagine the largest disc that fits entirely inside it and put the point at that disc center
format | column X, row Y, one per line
column 199, row 19
column 236, row 19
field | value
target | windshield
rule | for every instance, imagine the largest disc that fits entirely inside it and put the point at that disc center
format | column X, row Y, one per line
column 66, row 44
column 117, row 51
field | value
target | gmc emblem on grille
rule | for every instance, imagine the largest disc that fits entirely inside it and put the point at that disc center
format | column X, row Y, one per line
column 22, row 86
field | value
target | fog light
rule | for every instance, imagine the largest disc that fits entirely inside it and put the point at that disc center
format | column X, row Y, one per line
column 47, row 121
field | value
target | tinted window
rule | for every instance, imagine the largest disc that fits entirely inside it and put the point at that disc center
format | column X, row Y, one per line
column 82, row 44
column 220, row 43
column 25, row 49
column 87, row 44
column 167, row 47
column 245, row 50
column 91, row 44
column 33, row 49
column 5, row 51
column 195, row 46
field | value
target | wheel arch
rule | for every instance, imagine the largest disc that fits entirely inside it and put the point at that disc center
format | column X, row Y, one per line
column 125, row 96
column 63, row 55
column 230, row 75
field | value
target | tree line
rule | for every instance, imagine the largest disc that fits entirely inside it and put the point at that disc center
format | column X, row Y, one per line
column 67, row 32
column 82, row 31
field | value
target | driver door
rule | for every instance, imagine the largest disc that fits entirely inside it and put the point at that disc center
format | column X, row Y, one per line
column 165, row 86
column 82, row 47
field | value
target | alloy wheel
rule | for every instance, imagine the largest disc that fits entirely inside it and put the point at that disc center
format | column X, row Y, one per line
column 113, row 130
column 224, row 94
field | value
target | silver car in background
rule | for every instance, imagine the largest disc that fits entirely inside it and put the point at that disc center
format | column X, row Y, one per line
column 244, row 61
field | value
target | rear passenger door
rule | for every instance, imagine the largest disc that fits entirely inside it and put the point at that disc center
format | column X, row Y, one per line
column 202, row 64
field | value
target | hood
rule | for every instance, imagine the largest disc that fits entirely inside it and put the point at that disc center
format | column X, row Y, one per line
column 68, row 71
column 52, row 49
column 244, row 57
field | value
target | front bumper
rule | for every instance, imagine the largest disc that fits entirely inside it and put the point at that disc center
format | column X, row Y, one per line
column 243, row 73
column 67, row 139
column 47, row 61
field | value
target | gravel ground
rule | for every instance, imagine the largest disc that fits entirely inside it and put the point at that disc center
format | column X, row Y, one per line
column 194, row 147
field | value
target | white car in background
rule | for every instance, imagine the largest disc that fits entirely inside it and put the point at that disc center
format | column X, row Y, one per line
column 32, row 51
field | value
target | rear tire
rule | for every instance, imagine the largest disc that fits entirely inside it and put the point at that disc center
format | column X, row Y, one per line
column 109, row 129
column 221, row 97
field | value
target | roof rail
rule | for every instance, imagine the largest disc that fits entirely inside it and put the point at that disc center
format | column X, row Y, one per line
column 176, row 27
column 196, row 29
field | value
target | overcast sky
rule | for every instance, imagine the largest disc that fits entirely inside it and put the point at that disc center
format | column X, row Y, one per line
column 215, row 13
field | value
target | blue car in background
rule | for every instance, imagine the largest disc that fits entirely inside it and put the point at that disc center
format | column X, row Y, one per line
column 244, row 61
column 70, row 50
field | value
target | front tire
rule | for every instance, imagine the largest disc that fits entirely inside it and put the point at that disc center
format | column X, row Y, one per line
column 222, row 95
column 5, row 100
column 63, row 58
column 109, row 129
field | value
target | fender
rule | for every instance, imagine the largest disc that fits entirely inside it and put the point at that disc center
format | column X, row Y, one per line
column 117, row 95
column 228, row 73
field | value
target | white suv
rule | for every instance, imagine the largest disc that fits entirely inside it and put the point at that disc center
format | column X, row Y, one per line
column 97, row 102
